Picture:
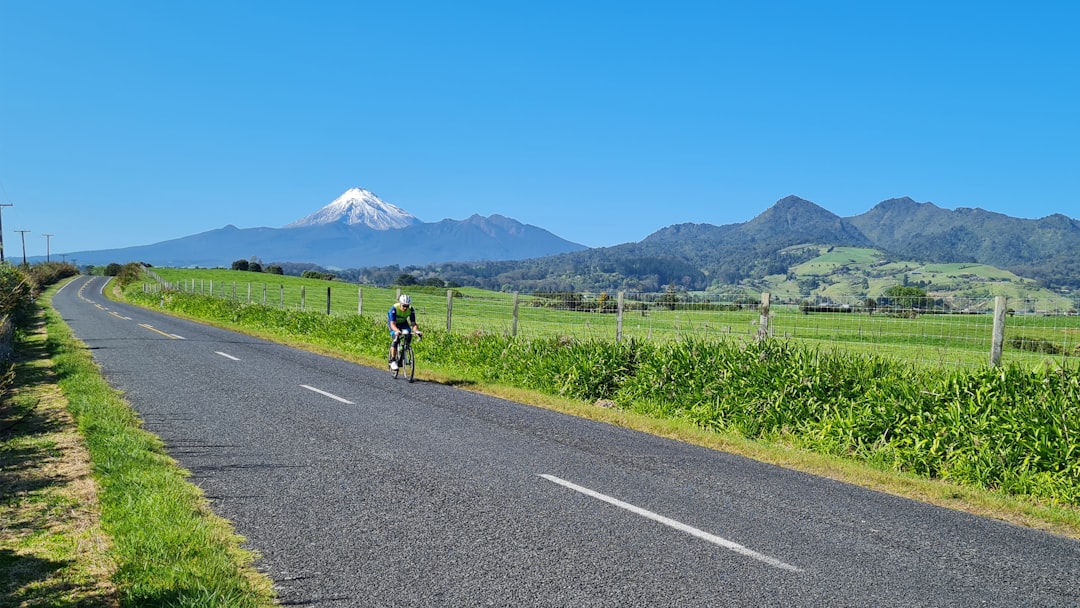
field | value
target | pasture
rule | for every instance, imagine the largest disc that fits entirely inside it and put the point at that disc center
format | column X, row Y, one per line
column 953, row 332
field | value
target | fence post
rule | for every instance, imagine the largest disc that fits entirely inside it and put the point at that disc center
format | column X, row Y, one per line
column 282, row 305
column 513, row 329
column 359, row 301
column 449, row 308
column 327, row 300
column 763, row 324
column 998, row 339
column 303, row 297
column 234, row 291
column 264, row 294
column 618, row 318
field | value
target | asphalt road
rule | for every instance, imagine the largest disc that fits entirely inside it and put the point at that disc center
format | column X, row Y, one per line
column 362, row 490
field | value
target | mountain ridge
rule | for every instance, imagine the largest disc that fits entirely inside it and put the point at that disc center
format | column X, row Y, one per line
column 501, row 252
column 701, row 256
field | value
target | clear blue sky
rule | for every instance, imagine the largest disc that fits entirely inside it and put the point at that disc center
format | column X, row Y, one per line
column 129, row 123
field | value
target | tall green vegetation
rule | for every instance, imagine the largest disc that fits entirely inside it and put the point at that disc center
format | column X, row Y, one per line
column 1011, row 429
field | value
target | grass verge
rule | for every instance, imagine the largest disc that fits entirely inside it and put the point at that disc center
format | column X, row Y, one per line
column 167, row 547
column 53, row 551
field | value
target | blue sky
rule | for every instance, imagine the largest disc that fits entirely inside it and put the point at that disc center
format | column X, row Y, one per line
column 129, row 123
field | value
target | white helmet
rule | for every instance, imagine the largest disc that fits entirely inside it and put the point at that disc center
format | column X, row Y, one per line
column 404, row 300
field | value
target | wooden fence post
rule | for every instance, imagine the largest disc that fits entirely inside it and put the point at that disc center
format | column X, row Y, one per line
column 282, row 304
column 449, row 308
column 763, row 324
column 513, row 329
column 303, row 297
column 359, row 301
column 327, row 300
column 618, row 318
column 998, row 339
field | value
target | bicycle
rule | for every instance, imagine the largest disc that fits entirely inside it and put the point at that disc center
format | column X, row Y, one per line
column 405, row 360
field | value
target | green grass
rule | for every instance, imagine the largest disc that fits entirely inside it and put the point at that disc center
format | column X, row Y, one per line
column 169, row 548
column 938, row 339
column 1012, row 429
column 857, row 273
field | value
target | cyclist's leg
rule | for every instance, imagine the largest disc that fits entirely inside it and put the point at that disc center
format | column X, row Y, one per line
column 394, row 338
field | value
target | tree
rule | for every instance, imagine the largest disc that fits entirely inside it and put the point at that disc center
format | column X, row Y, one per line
column 275, row 269
column 240, row 265
column 870, row 304
column 905, row 297
column 670, row 298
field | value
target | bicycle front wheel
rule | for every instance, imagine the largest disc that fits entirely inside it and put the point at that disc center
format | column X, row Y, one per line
column 409, row 367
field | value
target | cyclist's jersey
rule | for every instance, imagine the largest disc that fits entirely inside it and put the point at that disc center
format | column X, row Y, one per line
column 396, row 316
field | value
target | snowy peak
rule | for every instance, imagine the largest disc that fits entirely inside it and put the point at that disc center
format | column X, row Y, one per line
column 359, row 206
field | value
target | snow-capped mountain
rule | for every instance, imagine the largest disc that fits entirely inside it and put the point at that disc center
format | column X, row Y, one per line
column 357, row 229
column 359, row 207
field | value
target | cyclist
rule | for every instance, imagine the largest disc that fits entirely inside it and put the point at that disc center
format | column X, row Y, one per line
column 401, row 316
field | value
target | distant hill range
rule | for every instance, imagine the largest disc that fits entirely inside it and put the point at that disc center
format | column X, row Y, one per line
column 702, row 256
column 356, row 229
column 360, row 237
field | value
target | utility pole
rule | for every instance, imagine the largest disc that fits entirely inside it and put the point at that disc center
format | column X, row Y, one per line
column 2, row 205
column 48, row 242
column 22, row 233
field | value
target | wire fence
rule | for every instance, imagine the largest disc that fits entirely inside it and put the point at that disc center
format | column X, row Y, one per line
column 935, row 331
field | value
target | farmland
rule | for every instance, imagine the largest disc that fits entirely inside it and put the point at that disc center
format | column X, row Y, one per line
column 1031, row 337
column 867, row 387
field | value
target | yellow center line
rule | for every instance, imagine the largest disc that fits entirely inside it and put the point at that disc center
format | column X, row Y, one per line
column 153, row 329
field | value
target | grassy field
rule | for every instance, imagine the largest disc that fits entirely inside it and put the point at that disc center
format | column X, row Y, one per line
column 933, row 339
column 856, row 273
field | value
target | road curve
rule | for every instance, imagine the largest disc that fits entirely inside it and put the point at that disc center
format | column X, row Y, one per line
column 362, row 490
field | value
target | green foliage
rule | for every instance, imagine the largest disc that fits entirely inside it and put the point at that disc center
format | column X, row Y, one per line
column 315, row 274
column 47, row 273
column 241, row 265
column 905, row 296
column 129, row 273
column 17, row 289
column 1012, row 429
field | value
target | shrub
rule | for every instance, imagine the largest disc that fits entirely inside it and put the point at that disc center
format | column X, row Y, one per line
column 17, row 289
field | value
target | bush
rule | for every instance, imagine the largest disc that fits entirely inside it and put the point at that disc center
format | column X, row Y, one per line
column 50, row 272
column 17, row 289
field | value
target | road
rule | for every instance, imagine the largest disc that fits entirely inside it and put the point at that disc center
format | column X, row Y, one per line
column 362, row 490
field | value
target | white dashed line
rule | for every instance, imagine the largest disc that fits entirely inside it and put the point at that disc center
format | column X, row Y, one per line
column 712, row 538
column 326, row 394
column 226, row 355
